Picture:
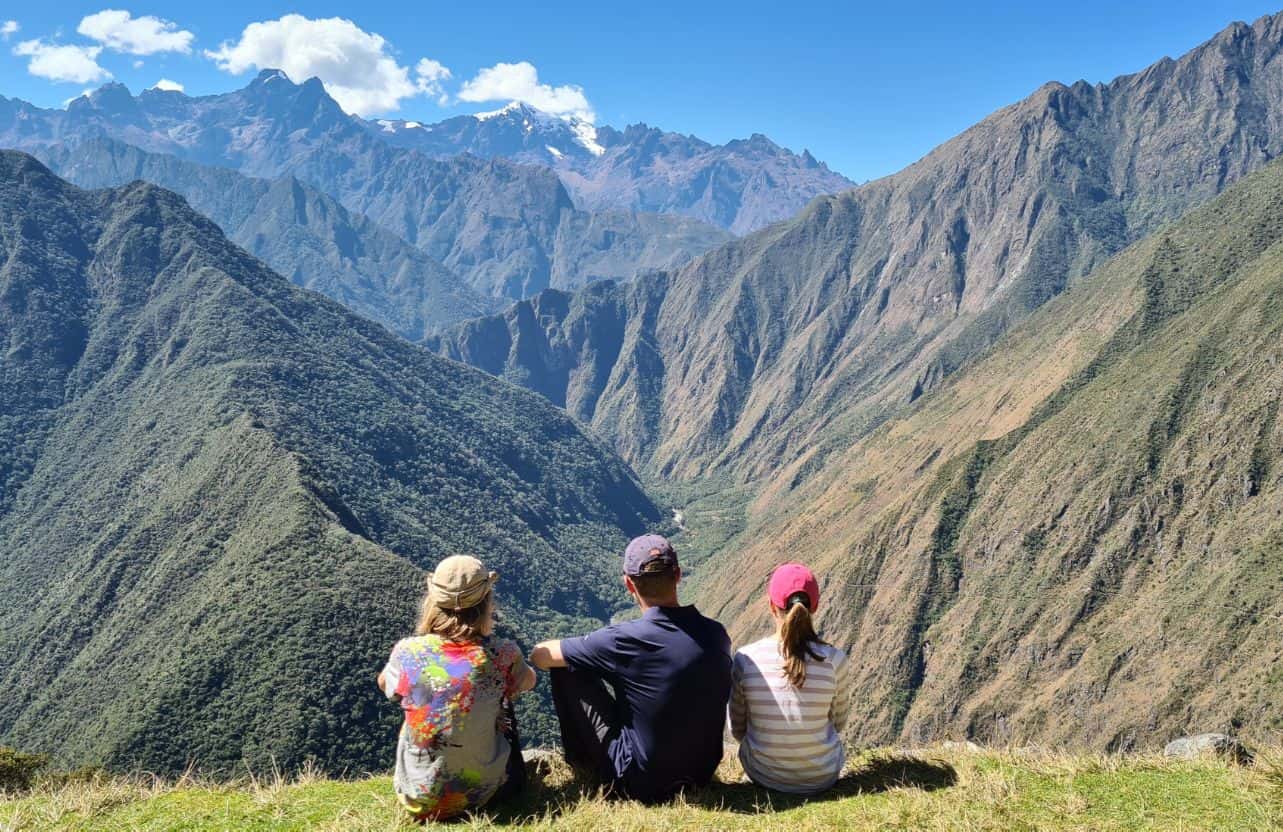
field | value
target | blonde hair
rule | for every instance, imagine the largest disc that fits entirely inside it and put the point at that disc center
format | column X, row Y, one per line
column 468, row 624
column 798, row 638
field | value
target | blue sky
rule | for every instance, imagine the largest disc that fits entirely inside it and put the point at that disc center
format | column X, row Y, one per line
column 867, row 87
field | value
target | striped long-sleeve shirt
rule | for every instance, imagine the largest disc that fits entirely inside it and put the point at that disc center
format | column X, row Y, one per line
column 790, row 738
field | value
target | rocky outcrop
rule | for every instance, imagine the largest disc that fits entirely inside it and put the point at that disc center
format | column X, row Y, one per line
column 1217, row 745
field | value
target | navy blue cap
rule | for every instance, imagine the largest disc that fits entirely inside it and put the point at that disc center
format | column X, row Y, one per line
column 645, row 550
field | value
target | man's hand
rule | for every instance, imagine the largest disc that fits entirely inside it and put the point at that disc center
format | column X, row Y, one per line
column 547, row 655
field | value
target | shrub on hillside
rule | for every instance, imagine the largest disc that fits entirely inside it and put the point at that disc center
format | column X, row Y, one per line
column 18, row 770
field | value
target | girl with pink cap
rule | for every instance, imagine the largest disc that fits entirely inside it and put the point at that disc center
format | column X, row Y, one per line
column 790, row 694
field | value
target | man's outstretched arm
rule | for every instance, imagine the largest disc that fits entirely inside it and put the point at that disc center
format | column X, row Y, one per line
column 547, row 655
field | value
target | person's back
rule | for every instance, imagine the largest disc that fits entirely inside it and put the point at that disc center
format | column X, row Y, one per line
column 788, row 735
column 455, row 682
column 790, row 693
column 643, row 701
column 670, row 671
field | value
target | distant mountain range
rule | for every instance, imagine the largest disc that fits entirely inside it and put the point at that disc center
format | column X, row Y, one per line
column 807, row 363
column 786, row 344
column 218, row 493
column 742, row 186
column 507, row 230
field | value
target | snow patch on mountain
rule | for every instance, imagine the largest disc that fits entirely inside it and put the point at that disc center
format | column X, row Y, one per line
column 391, row 126
column 586, row 135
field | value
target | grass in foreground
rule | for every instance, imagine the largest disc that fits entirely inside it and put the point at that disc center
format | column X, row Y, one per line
column 937, row 789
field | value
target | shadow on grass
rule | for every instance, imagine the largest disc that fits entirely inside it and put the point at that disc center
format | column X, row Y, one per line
column 547, row 799
column 877, row 774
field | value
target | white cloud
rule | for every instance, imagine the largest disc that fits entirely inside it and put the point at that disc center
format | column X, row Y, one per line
column 520, row 82
column 138, row 64
column 8, row 28
column 120, row 31
column 168, row 86
column 428, row 75
column 356, row 66
column 57, row 62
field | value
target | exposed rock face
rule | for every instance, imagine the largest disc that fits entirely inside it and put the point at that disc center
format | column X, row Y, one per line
column 742, row 186
column 562, row 345
column 790, row 341
column 509, row 230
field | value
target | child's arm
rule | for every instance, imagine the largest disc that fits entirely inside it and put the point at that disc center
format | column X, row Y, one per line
column 528, row 682
column 390, row 676
column 737, row 709
column 519, row 677
column 841, row 706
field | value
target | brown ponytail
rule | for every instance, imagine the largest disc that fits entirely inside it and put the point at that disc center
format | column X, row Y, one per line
column 798, row 638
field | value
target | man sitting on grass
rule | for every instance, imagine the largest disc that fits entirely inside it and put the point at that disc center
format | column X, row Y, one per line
column 643, row 702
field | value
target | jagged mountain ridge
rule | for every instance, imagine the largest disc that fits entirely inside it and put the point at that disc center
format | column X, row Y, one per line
column 742, row 186
column 295, row 229
column 218, row 491
column 792, row 342
column 509, row 230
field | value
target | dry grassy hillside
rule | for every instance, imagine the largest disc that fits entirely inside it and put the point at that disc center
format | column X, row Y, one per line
column 1078, row 539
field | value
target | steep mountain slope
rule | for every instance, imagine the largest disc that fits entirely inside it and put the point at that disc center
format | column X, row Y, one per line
column 494, row 223
column 217, row 491
column 742, row 186
column 296, row 230
column 797, row 339
column 1078, row 539
column 562, row 345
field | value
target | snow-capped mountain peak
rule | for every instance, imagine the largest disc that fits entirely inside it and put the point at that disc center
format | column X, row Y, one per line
column 741, row 185
column 512, row 108
column 557, row 131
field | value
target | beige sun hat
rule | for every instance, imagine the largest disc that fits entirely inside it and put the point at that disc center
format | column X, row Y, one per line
column 459, row 582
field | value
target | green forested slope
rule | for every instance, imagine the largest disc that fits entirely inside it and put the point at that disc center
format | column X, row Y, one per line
column 218, row 489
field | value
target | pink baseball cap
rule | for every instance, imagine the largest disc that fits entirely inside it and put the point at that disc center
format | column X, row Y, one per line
column 790, row 579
